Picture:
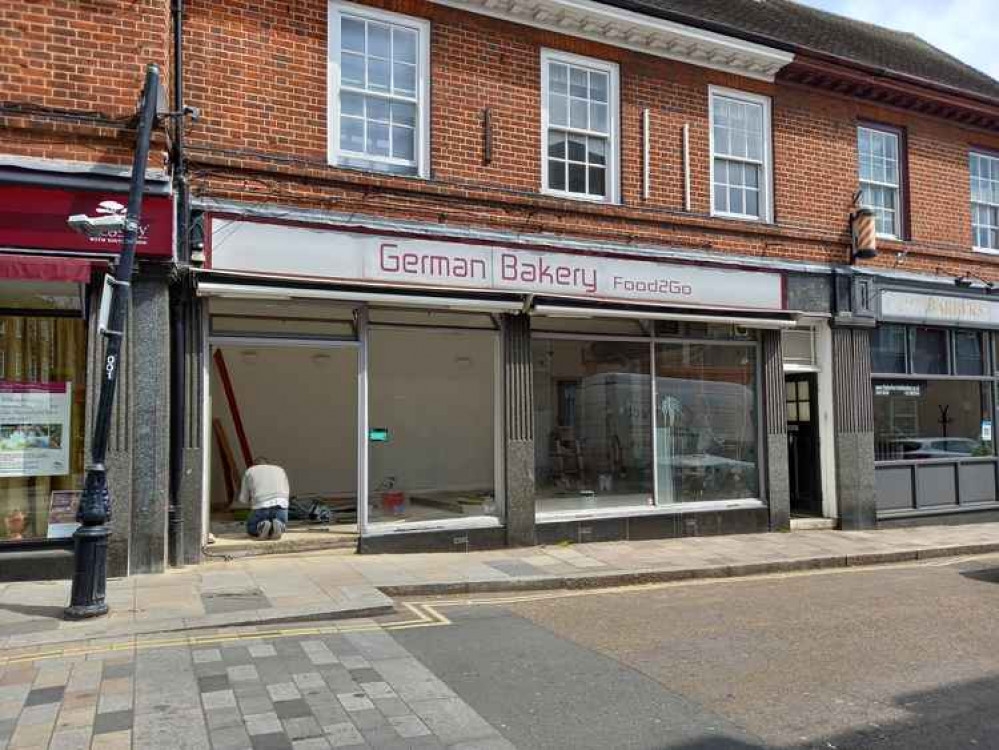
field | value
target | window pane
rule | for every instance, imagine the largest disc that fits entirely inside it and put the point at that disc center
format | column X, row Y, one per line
column 577, row 147
column 598, row 86
column 352, row 34
column 432, row 388
column 352, row 134
column 927, row 419
column 578, row 84
column 377, row 143
column 404, row 114
column 888, row 349
column 404, row 80
column 556, row 174
column 597, row 153
column 378, row 109
column 352, row 104
column 403, row 143
column 598, row 181
column 598, row 117
column 706, row 423
column 379, row 40
column 970, row 353
column 752, row 203
column 43, row 371
column 558, row 78
column 578, row 114
column 378, row 74
column 929, row 350
column 593, row 445
column 404, row 45
column 577, row 178
column 556, row 144
column 558, row 109
column 352, row 70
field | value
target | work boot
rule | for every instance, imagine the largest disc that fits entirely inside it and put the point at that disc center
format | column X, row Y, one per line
column 277, row 530
column 264, row 530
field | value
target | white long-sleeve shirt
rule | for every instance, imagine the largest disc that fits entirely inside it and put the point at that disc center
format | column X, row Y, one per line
column 265, row 486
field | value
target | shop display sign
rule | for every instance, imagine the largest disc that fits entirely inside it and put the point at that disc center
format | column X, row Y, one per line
column 936, row 308
column 62, row 513
column 908, row 390
column 35, row 429
column 296, row 251
column 35, row 217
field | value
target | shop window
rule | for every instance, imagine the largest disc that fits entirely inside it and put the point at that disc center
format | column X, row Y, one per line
column 379, row 86
column 579, row 111
column 969, row 353
column 929, row 350
column 593, row 438
column 706, row 423
column 932, row 419
column 432, row 418
column 42, row 397
column 888, row 347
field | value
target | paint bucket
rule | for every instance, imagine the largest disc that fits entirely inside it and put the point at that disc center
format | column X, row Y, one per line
column 394, row 503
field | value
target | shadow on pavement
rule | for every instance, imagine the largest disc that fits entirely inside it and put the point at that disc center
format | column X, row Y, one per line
column 988, row 575
column 34, row 610
column 950, row 716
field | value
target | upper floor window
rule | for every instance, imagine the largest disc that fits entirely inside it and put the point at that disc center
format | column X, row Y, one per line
column 379, row 83
column 880, row 177
column 740, row 154
column 985, row 201
column 579, row 119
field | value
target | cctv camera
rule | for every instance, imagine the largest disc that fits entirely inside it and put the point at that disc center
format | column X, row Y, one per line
column 90, row 226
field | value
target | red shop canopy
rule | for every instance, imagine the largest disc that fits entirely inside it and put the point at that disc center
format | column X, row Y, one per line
column 41, row 268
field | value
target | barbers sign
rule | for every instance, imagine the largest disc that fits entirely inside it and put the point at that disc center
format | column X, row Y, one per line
column 316, row 253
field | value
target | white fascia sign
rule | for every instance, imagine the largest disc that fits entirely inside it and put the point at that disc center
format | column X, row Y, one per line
column 314, row 253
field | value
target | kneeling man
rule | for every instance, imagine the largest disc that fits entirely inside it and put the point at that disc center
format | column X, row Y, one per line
column 265, row 488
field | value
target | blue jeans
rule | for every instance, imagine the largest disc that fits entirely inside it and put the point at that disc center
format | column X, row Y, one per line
column 266, row 514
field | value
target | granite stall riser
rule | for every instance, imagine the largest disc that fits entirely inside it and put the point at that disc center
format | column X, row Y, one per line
column 458, row 540
column 672, row 526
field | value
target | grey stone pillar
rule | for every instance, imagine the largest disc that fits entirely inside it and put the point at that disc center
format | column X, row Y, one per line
column 518, row 429
column 191, row 484
column 854, row 423
column 775, row 430
column 150, row 409
column 119, row 452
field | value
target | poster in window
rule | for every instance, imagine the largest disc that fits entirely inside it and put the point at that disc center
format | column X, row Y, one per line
column 62, row 513
column 35, row 429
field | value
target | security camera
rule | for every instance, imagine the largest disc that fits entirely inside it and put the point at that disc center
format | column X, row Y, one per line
column 90, row 226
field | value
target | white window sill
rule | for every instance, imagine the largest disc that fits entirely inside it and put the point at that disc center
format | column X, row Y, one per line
column 648, row 510
column 740, row 217
column 447, row 524
column 985, row 250
column 579, row 197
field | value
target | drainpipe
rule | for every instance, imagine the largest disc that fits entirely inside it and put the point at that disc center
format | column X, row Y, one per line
column 178, row 299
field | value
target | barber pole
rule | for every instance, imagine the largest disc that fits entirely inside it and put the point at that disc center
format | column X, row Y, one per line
column 865, row 235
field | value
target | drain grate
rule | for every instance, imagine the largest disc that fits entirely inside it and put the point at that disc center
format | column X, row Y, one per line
column 216, row 602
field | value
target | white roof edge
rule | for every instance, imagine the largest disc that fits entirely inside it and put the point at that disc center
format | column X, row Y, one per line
column 66, row 166
column 623, row 28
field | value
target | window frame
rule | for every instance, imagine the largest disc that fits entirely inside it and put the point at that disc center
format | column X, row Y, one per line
column 766, row 215
column 613, row 193
column 985, row 154
column 902, row 203
column 335, row 156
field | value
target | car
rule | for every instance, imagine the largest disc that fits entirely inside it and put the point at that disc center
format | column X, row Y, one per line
column 911, row 448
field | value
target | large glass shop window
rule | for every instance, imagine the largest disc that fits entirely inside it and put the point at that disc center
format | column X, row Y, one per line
column 928, row 419
column 42, row 396
column 593, row 426
column 706, row 423
column 605, row 439
column 431, row 414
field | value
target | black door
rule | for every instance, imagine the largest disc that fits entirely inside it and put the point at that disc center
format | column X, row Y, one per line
column 803, row 444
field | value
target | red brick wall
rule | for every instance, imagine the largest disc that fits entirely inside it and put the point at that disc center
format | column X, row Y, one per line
column 71, row 72
column 257, row 71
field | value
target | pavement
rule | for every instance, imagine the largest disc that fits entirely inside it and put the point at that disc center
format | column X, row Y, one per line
column 336, row 585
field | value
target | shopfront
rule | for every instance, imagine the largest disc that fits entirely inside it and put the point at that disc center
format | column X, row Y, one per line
column 49, row 277
column 933, row 361
column 439, row 392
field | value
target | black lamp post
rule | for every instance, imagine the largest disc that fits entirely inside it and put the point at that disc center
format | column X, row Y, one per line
column 90, row 542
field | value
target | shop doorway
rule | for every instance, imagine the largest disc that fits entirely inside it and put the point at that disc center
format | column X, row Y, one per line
column 294, row 404
column 803, row 444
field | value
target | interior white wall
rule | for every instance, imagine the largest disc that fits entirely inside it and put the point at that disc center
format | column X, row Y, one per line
column 299, row 410
column 433, row 390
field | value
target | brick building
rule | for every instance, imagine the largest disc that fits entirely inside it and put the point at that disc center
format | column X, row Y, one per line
column 507, row 271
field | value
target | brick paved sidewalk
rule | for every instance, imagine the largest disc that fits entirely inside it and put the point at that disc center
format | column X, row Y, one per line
column 344, row 687
column 278, row 588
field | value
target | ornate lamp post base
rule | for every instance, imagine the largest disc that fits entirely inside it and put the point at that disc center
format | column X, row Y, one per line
column 88, row 598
